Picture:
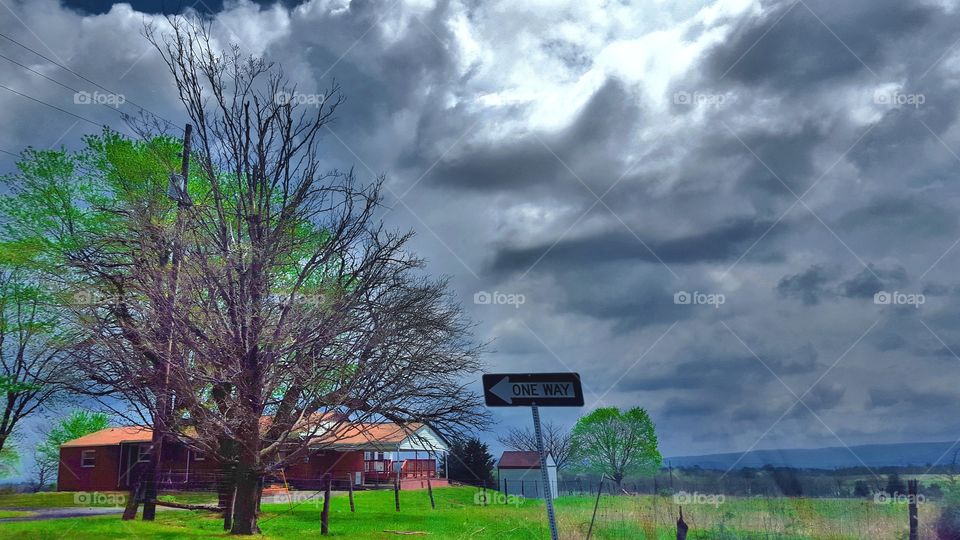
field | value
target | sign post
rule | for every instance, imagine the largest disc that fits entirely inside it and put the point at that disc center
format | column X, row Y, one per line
column 535, row 390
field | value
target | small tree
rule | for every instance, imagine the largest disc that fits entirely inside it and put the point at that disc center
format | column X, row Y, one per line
column 8, row 460
column 77, row 424
column 861, row 489
column 32, row 369
column 895, row 485
column 556, row 441
column 470, row 462
column 616, row 443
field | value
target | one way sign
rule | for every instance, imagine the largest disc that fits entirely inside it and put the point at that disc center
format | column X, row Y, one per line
column 525, row 389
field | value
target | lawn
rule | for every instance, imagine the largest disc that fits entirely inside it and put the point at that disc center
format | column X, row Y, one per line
column 458, row 516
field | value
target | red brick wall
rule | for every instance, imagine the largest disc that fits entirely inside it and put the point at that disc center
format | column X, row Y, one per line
column 101, row 477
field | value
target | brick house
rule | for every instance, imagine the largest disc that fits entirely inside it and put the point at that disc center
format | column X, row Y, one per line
column 115, row 458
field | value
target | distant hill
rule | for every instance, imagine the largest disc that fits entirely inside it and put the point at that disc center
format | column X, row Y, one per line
column 838, row 457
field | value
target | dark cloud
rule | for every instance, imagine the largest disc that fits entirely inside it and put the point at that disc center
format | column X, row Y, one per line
column 795, row 45
column 872, row 280
column 725, row 242
column 505, row 126
column 808, row 285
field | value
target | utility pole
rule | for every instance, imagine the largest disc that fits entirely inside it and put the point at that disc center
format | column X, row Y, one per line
column 177, row 190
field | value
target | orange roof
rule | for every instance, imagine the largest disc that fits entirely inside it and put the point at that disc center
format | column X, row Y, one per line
column 362, row 434
column 112, row 436
column 348, row 435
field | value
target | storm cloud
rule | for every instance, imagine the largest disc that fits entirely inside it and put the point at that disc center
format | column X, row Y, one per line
column 625, row 167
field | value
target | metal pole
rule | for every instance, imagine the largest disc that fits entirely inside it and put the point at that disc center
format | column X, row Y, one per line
column 595, row 506
column 547, row 492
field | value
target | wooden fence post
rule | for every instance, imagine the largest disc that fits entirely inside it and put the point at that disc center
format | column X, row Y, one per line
column 130, row 512
column 350, row 492
column 682, row 527
column 325, row 513
column 430, row 492
column 396, row 493
column 912, row 489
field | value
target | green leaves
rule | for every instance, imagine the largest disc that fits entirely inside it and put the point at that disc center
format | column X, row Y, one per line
column 608, row 441
column 77, row 424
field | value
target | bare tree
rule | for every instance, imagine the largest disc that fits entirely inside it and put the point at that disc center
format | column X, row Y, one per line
column 556, row 441
column 44, row 470
column 266, row 289
column 293, row 300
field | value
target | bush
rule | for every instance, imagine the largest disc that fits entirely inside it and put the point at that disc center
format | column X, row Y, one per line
column 948, row 524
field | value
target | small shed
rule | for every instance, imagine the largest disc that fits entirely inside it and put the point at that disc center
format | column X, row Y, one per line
column 519, row 474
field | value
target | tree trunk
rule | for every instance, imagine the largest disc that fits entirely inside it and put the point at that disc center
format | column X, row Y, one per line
column 245, row 503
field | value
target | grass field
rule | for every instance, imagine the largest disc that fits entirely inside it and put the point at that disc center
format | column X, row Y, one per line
column 458, row 516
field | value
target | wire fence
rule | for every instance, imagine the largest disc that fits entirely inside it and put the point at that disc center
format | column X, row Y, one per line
column 636, row 510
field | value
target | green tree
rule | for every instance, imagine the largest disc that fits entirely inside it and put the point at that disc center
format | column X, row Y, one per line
column 616, row 444
column 75, row 425
column 470, row 462
column 895, row 485
column 861, row 489
column 9, row 458
column 33, row 372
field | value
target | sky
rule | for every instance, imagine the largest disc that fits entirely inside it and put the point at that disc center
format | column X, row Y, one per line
column 740, row 215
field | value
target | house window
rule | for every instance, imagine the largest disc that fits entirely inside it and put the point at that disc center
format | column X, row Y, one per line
column 143, row 453
column 88, row 458
column 197, row 456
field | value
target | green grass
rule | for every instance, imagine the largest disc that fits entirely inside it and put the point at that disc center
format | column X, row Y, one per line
column 458, row 516
column 55, row 499
column 13, row 514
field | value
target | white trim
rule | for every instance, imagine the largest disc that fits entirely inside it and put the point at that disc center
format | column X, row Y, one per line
column 83, row 456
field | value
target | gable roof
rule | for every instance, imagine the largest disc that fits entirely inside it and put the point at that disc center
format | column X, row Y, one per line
column 512, row 459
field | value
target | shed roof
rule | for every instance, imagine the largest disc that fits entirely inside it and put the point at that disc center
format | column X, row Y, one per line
column 512, row 459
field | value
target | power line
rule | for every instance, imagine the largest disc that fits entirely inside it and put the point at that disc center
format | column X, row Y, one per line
column 51, row 79
column 105, row 89
column 9, row 153
column 77, row 116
